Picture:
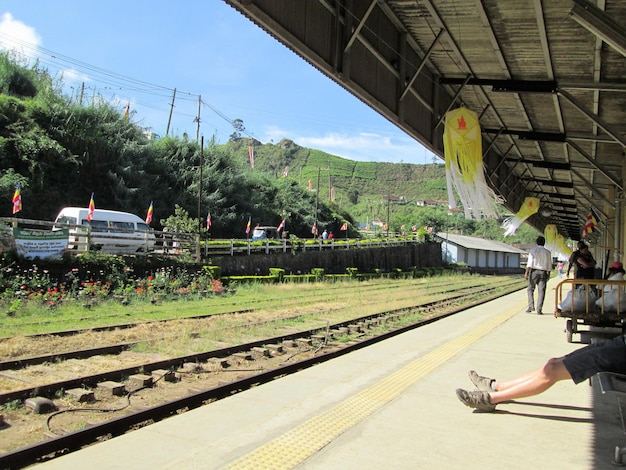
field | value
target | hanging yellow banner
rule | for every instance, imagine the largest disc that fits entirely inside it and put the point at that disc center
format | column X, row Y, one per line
column 462, row 143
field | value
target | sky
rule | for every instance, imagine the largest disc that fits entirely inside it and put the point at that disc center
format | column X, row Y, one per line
column 222, row 66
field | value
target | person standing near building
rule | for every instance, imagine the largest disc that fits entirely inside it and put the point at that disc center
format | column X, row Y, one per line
column 537, row 273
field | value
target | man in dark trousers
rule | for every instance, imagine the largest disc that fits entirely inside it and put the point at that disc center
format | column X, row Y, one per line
column 537, row 273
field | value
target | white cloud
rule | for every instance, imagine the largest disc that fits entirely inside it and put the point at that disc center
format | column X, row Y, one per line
column 15, row 35
column 72, row 76
column 360, row 146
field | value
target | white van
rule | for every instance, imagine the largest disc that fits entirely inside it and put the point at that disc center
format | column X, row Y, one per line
column 109, row 231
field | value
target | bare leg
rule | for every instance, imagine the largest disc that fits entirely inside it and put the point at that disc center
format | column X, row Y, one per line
column 531, row 384
column 501, row 386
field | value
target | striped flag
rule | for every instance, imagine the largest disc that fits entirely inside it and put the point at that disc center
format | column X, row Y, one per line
column 344, row 227
column 92, row 208
column 251, row 156
column 592, row 220
column 281, row 226
column 208, row 221
column 286, row 172
column 248, row 226
column 127, row 111
column 149, row 214
column 314, row 229
column 17, row 199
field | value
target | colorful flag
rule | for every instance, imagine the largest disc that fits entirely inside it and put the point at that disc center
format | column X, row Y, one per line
column 310, row 186
column 286, row 172
column 248, row 226
column 251, row 156
column 149, row 214
column 17, row 199
column 314, row 229
column 92, row 208
column 344, row 226
column 281, row 226
column 127, row 111
column 332, row 193
column 592, row 220
column 208, row 221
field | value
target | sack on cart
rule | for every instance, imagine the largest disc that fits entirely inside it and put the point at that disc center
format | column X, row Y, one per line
column 582, row 298
column 611, row 300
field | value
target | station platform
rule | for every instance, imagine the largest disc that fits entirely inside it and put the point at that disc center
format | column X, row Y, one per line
column 393, row 405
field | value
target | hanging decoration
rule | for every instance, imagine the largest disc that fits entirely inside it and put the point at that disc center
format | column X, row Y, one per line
column 550, row 233
column 563, row 251
column 462, row 142
column 529, row 207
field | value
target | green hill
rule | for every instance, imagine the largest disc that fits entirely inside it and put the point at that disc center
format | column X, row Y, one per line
column 360, row 188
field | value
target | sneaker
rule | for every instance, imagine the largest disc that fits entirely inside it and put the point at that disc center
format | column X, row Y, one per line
column 528, row 310
column 480, row 382
column 479, row 400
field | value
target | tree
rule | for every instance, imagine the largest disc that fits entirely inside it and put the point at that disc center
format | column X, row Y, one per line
column 239, row 129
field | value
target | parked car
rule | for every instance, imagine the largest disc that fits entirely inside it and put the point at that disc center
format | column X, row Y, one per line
column 110, row 231
column 264, row 232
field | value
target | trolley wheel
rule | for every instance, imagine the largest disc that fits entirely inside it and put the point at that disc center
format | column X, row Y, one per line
column 569, row 330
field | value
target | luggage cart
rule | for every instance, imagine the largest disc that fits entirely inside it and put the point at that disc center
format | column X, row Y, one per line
column 600, row 317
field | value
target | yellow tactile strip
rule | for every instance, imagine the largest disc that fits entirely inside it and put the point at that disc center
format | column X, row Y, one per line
column 295, row 446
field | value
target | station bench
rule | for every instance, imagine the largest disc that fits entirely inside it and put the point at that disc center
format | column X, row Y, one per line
column 615, row 384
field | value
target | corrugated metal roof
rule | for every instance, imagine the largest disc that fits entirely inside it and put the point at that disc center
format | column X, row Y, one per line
column 546, row 77
column 476, row 243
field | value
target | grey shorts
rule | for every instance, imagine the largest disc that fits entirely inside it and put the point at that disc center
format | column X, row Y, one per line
column 609, row 356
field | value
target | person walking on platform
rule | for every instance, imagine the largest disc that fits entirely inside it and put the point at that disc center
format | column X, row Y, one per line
column 537, row 273
column 579, row 365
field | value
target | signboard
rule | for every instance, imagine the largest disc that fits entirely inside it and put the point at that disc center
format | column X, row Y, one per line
column 40, row 243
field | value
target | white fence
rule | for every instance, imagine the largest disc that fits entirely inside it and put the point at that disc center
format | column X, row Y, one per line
column 175, row 243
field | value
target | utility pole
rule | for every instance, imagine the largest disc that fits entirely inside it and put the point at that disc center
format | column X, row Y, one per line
column 167, row 131
column 317, row 196
column 200, row 187
column 330, row 184
column 388, row 212
column 197, row 119
column 82, row 93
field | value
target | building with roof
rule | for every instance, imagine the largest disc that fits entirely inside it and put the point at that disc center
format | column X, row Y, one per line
column 485, row 255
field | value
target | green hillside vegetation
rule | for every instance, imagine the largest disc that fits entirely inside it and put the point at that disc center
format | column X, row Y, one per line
column 372, row 190
column 61, row 150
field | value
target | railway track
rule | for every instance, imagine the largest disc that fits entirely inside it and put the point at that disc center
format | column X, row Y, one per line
column 230, row 305
column 437, row 291
column 212, row 375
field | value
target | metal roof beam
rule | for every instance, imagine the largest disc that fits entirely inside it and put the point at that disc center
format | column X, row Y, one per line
column 594, row 117
column 617, row 182
column 600, row 24
column 543, row 164
column 530, row 135
column 556, row 184
column 508, row 86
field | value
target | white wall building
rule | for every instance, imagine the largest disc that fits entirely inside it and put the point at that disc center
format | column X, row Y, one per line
column 478, row 252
